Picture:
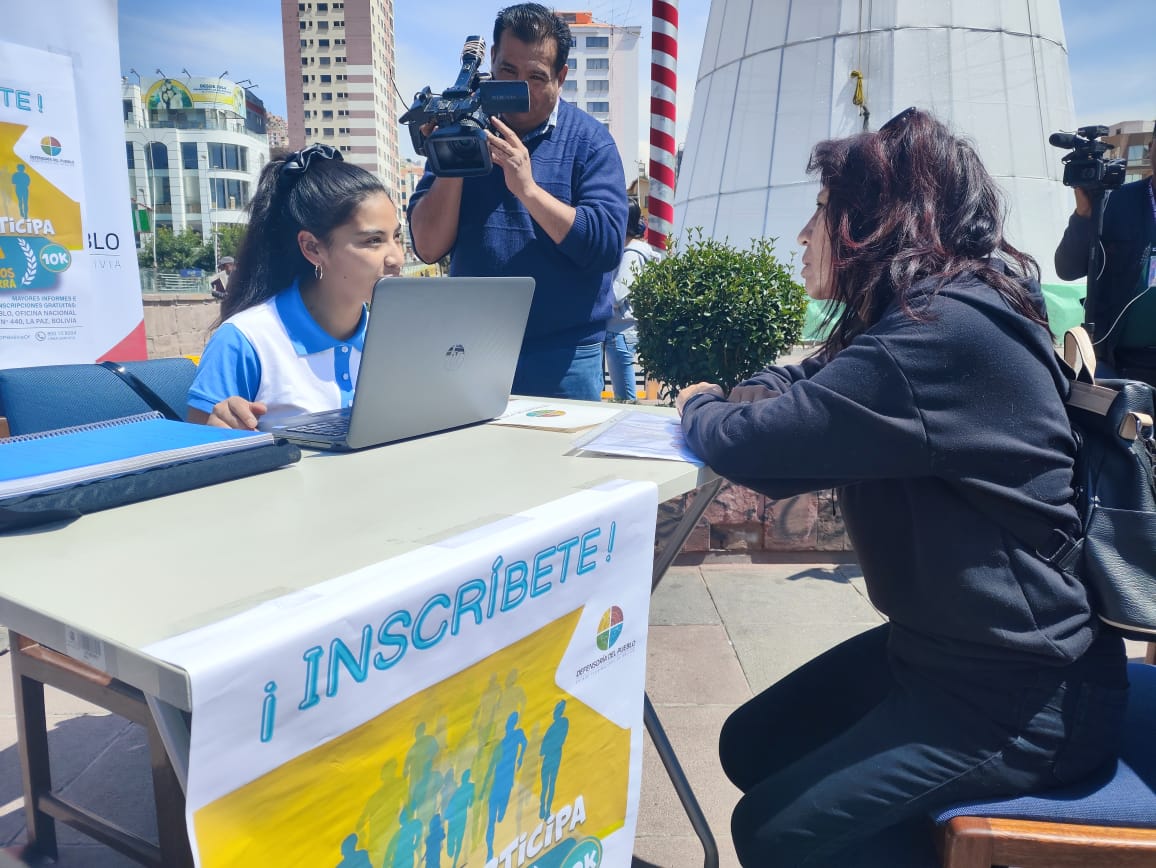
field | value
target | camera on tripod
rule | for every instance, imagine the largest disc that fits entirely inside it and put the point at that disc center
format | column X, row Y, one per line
column 1084, row 165
column 457, row 148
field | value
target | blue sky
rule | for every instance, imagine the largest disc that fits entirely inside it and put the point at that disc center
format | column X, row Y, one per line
column 1109, row 49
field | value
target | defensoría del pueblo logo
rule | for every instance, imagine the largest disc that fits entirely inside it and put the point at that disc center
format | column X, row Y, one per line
column 613, row 648
column 609, row 628
column 50, row 145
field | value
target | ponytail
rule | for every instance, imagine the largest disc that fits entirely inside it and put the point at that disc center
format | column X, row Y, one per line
column 314, row 190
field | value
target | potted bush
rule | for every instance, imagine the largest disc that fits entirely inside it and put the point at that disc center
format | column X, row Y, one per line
column 711, row 312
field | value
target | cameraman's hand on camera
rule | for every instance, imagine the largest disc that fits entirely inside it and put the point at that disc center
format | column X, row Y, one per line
column 508, row 151
column 1083, row 202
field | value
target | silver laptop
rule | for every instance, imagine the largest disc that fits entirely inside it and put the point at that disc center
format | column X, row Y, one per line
column 440, row 352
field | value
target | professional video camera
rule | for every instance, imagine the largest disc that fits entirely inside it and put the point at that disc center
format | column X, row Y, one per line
column 457, row 148
column 1084, row 165
column 1086, row 168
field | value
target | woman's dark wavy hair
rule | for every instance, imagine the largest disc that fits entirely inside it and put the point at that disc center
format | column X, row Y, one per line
column 909, row 202
column 318, row 200
column 532, row 23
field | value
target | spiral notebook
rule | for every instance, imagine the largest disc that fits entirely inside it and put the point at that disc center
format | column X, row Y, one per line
column 50, row 460
column 60, row 475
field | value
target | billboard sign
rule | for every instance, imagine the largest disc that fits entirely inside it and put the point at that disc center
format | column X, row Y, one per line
column 212, row 94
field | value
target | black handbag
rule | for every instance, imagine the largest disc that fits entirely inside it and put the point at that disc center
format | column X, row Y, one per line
column 1115, row 494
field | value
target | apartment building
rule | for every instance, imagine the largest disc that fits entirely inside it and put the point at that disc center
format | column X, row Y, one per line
column 278, row 131
column 340, row 81
column 603, row 80
column 411, row 173
column 1130, row 140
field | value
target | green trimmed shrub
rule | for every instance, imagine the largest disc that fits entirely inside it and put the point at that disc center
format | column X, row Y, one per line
column 711, row 312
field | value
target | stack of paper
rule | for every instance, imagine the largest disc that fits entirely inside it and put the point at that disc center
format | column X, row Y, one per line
column 640, row 435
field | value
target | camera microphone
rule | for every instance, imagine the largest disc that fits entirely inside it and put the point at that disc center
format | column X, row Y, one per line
column 1063, row 140
column 473, row 53
column 474, row 49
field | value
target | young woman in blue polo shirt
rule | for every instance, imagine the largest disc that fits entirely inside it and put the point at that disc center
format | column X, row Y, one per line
column 321, row 232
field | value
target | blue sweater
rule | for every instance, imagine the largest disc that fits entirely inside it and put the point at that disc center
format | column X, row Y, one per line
column 577, row 163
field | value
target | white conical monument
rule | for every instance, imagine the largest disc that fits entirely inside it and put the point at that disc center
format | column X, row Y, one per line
column 776, row 76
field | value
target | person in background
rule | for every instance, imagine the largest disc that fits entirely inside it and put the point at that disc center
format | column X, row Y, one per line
column 1124, row 347
column 553, row 208
column 220, row 284
column 935, row 407
column 321, row 233
column 621, row 334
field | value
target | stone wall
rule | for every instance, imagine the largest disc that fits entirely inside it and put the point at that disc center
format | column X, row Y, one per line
column 178, row 323
column 741, row 520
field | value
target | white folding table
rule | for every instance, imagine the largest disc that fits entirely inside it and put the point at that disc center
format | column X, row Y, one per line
column 84, row 599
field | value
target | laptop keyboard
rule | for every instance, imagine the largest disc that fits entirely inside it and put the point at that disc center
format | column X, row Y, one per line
column 327, row 428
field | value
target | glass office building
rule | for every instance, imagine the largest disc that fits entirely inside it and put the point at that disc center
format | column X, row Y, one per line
column 194, row 148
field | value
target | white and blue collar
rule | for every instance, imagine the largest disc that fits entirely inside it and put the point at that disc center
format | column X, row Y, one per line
column 306, row 336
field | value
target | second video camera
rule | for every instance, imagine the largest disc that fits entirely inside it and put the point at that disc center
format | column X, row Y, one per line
column 1084, row 165
column 457, row 147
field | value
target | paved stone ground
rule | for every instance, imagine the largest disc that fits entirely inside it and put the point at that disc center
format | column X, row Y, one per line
column 719, row 634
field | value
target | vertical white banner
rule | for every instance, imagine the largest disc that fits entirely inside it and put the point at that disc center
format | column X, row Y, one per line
column 69, row 285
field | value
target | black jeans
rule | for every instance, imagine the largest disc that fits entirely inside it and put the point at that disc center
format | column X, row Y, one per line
column 842, row 761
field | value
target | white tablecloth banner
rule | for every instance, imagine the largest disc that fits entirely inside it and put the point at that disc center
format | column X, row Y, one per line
column 477, row 701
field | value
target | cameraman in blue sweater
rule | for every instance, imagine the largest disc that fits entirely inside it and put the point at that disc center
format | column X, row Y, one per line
column 552, row 208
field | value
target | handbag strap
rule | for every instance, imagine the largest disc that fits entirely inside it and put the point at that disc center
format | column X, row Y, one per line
column 1089, row 395
column 1079, row 354
column 154, row 401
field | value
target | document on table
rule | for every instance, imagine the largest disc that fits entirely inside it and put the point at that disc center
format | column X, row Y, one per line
column 640, row 435
column 530, row 413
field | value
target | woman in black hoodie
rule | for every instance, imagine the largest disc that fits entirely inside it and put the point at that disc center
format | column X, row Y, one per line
column 935, row 407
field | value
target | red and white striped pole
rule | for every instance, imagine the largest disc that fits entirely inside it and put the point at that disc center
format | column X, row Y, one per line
column 663, row 93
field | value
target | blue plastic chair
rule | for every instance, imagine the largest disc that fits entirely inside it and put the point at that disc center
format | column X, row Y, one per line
column 1109, row 823
column 59, row 396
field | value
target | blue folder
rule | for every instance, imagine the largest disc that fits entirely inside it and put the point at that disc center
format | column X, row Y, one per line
column 62, row 474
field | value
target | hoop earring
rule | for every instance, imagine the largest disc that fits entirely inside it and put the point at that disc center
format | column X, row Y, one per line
column 317, row 272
